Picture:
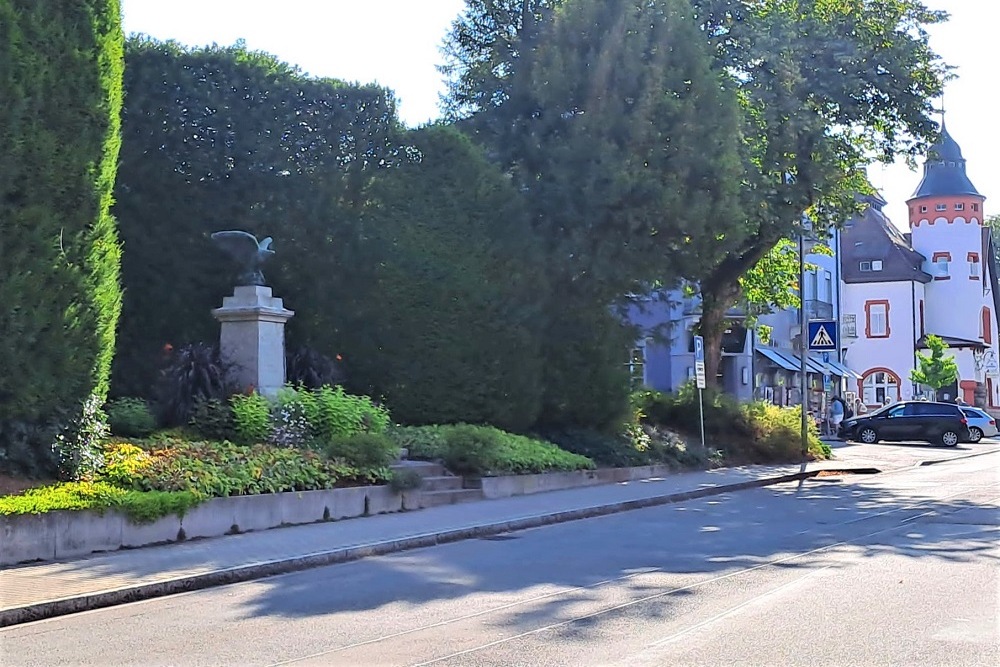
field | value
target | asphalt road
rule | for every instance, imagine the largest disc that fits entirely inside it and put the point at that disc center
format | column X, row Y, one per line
column 891, row 569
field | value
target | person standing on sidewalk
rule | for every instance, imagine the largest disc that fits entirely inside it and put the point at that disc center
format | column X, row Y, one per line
column 836, row 415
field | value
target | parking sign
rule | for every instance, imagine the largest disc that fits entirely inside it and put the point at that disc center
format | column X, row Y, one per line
column 699, row 362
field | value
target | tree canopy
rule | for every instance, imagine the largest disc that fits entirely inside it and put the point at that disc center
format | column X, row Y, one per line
column 935, row 370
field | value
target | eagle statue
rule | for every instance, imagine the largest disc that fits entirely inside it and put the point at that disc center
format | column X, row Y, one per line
column 245, row 249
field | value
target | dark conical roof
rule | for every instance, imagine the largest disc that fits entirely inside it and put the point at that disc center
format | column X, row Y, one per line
column 944, row 170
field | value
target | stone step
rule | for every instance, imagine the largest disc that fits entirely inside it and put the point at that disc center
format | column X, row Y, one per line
column 437, row 498
column 442, row 483
column 422, row 468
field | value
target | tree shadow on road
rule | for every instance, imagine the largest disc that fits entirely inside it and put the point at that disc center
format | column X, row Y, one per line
column 587, row 577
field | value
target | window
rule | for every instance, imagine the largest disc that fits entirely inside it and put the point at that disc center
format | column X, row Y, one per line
column 959, row 207
column 865, row 266
column 923, row 209
column 985, row 328
column 974, row 266
column 877, row 265
column 975, row 207
column 828, row 286
column 922, row 328
column 941, row 207
column 637, row 366
column 877, row 319
column 941, row 261
column 879, row 385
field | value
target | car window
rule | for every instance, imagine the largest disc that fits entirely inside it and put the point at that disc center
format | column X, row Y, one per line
column 938, row 410
column 897, row 411
column 972, row 414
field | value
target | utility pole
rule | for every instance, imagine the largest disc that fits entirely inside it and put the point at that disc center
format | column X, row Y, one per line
column 804, row 337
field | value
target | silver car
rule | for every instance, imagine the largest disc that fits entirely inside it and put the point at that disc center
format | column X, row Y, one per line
column 981, row 424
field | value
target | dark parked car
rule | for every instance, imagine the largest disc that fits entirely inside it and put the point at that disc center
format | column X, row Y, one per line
column 914, row 420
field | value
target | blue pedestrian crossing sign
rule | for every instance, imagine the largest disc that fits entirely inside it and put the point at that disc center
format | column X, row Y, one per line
column 823, row 335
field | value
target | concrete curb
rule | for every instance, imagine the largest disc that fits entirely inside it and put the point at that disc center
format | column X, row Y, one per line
column 956, row 458
column 71, row 605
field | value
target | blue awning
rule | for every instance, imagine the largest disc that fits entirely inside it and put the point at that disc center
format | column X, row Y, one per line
column 844, row 371
column 775, row 357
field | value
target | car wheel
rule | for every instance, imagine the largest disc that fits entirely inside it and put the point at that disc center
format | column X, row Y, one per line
column 976, row 434
column 949, row 439
column 868, row 435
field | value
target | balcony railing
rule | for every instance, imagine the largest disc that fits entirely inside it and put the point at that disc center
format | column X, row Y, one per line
column 818, row 310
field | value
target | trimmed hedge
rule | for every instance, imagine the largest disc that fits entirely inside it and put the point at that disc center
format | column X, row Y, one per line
column 61, row 86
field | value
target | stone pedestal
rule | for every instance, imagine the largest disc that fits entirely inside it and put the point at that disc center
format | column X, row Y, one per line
column 252, row 341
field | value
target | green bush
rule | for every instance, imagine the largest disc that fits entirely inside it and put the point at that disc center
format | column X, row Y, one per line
column 227, row 469
column 778, row 434
column 405, row 480
column 139, row 506
column 333, row 413
column 484, row 450
column 61, row 86
column 130, row 418
column 751, row 433
column 363, row 450
column 252, row 417
column 213, row 419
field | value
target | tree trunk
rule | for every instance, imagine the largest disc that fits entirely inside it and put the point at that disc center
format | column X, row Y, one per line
column 720, row 291
column 712, row 327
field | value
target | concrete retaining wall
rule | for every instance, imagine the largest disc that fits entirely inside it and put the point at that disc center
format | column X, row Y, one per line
column 519, row 485
column 72, row 534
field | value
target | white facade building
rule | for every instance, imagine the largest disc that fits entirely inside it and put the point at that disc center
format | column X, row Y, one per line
column 940, row 279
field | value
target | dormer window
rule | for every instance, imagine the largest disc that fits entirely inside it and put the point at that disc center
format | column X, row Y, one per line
column 877, row 265
column 941, row 207
column 865, row 266
column 959, row 207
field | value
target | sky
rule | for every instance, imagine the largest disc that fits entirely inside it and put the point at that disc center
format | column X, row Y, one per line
column 396, row 43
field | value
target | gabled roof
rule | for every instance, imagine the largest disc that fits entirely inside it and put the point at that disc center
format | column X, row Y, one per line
column 872, row 237
column 944, row 170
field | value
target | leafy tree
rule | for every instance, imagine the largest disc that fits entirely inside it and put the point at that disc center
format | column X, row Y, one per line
column 623, row 138
column 446, row 326
column 935, row 370
column 483, row 50
column 61, row 86
column 825, row 87
column 227, row 138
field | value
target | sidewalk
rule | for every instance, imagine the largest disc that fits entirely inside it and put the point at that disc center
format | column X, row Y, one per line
column 32, row 592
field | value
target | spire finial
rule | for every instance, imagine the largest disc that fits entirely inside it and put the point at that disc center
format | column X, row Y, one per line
column 942, row 112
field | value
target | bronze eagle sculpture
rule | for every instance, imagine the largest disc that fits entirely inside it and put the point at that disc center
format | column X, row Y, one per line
column 245, row 249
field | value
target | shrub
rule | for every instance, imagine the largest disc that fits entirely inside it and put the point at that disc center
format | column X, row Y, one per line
column 193, row 373
column 405, row 480
column 139, row 506
column 312, row 369
column 290, row 426
column 778, row 434
column 130, row 418
column 363, row 450
column 78, row 448
column 26, row 447
column 725, row 417
column 252, row 416
column 213, row 419
column 332, row 413
column 483, row 450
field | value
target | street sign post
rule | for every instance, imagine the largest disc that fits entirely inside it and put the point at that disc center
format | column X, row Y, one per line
column 699, row 375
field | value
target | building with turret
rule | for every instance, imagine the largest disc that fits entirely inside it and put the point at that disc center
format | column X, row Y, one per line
column 938, row 278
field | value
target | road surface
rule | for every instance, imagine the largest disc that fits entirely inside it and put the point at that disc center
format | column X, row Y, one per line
column 892, row 569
